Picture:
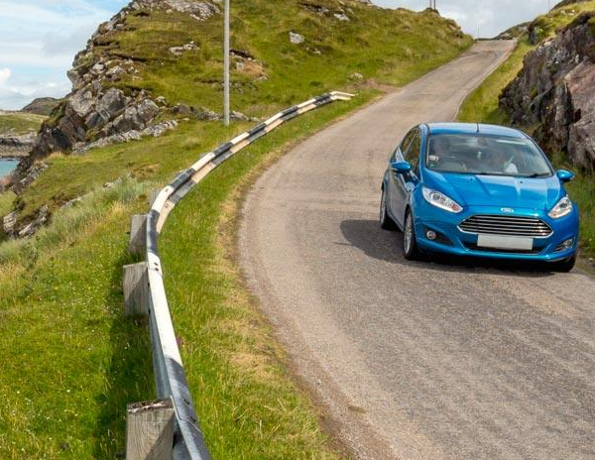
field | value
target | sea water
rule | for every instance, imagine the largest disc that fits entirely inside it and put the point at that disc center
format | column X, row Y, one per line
column 7, row 166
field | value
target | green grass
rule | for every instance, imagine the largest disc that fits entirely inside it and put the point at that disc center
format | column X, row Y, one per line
column 17, row 123
column 157, row 159
column 71, row 361
column 482, row 106
column 6, row 204
column 582, row 191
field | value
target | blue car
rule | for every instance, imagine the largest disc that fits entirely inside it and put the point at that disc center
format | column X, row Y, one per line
column 481, row 191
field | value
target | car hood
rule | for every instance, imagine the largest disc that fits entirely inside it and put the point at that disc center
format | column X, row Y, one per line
column 513, row 192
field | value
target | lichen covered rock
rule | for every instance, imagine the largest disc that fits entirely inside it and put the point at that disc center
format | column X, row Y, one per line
column 555, row 92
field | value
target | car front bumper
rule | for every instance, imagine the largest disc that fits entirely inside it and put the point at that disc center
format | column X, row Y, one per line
column 452, row 240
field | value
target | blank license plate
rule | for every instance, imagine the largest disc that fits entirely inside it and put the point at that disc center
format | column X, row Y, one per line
column 505, row 242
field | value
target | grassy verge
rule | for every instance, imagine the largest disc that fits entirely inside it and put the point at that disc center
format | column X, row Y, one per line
column 482, row 104
column 249, row 406
column 582, row 191
column 70, row 360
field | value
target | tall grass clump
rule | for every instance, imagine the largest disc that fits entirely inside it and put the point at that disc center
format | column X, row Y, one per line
column 69, row 220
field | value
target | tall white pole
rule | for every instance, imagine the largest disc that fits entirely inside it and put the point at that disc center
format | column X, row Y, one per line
column 226, row 66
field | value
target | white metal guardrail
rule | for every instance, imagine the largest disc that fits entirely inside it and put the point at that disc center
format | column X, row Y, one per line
column 189, row 443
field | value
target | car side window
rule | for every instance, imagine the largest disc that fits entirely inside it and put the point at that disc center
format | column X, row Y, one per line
column 402, row 147
column 413, row 152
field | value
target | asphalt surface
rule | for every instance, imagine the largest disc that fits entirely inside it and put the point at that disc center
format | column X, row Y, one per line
column 415, row 360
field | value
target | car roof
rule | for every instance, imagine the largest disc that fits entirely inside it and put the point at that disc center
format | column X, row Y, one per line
column 473, row 128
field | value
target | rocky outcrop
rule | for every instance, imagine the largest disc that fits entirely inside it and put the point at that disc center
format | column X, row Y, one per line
column 96, row 108
column 555, row 93
column 12, row 146
column 156, row 130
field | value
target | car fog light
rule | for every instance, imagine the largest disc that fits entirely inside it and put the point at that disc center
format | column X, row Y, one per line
column 565, row 245
column 431, row 235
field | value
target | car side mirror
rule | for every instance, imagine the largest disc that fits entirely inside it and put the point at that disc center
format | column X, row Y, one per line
column 401, row 167
column 564, row 175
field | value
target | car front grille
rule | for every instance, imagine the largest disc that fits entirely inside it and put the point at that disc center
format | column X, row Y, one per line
column 506, row 225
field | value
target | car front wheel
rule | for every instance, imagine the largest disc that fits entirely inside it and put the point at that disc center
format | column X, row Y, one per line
column 410, row 248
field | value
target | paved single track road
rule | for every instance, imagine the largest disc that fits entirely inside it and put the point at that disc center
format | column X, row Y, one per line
column 415, row 360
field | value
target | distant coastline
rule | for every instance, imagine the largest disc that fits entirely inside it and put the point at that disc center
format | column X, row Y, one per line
column 7, row 165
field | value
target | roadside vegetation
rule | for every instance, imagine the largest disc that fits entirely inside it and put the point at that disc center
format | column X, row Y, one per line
column 71, row 361
column 6, row 204
column 482, row 106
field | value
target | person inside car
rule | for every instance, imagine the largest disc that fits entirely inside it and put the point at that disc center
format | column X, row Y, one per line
column 440, row 150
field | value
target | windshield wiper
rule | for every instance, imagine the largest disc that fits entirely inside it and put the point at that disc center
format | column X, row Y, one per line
column 533, row 176
column 484, row 173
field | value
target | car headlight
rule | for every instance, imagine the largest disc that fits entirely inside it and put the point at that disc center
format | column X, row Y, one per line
column 440, row 200
column 562, row 208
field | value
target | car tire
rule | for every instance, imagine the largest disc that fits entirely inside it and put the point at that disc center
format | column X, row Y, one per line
column 386, row 223
column 410, row 248
column 566, row 265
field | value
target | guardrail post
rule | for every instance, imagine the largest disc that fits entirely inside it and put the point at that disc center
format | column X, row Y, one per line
column 137, row 243
column 153, row 196
column 136, row 289
column 150, row 430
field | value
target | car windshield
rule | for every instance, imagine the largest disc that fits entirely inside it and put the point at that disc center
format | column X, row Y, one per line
column 486, row 155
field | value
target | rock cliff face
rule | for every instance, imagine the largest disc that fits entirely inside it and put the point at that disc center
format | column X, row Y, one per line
column 96, row 109
column 555, row 92
column 16, row 146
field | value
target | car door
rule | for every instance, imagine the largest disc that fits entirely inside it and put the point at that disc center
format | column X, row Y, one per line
column 402, row 185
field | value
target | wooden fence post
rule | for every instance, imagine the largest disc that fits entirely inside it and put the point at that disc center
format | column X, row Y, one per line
column 153, row 196
column 137, row 243
column 136, row 289
column 150, row 430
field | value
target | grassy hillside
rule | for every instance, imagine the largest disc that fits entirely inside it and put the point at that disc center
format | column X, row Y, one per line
column 71, row 360
column 17, row 123
column 383, row 46
column 482, row 106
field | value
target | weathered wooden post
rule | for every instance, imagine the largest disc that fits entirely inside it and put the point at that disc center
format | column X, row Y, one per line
column 136, row 289
column 137, row 243
column 150, row 430
column 153, row 196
